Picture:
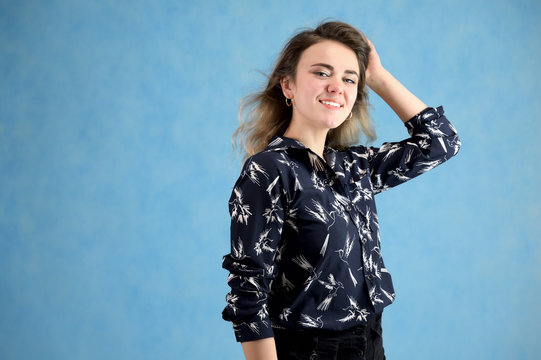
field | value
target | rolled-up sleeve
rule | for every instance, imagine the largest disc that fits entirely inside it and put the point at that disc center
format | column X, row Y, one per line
column 433, row 140
column 257, row 212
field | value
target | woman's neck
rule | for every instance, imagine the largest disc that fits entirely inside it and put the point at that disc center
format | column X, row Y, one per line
column 311, row 138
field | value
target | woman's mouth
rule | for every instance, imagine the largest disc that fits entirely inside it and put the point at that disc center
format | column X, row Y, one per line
column 331, row 104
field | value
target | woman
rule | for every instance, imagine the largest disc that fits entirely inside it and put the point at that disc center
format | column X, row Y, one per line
column 306, row 274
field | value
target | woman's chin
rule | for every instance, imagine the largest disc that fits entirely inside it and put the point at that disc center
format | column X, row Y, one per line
column 333, row 123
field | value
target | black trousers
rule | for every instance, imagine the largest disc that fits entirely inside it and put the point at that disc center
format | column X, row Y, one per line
column 363, row 342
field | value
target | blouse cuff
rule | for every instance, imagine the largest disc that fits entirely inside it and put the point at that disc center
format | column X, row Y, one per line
column 428, row 114
column 249, row 331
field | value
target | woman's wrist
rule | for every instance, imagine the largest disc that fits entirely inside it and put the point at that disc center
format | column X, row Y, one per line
column 376, row 79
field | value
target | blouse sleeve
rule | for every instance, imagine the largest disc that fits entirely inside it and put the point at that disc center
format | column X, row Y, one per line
column 257, row 213
column 433, row 141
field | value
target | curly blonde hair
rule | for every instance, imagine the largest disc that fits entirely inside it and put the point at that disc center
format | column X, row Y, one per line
column 264, row 114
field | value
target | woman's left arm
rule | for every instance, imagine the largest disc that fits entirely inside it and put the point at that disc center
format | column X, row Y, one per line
column 401, row 100
column 433, row 139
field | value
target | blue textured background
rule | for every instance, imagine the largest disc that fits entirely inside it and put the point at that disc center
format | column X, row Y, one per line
column 115, row 171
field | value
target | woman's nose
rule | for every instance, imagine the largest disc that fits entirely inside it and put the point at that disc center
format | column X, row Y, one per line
column 335, row 87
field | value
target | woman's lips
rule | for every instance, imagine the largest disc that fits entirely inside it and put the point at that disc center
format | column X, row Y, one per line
column 331, row 104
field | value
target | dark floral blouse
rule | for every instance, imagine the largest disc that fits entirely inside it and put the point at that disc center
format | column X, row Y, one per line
column 305, row 245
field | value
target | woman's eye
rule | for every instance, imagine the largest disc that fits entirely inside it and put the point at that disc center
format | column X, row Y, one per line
column 321, row 73
column 351, row 81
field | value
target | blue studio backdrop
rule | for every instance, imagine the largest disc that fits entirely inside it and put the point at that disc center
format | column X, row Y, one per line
column 116, row 168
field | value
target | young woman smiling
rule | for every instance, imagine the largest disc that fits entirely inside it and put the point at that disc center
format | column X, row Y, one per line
column 306, row 273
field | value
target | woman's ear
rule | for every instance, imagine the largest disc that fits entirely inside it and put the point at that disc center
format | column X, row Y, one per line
column 287, row 86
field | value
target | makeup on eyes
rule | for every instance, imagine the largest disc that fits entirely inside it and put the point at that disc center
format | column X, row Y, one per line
column 319, row 72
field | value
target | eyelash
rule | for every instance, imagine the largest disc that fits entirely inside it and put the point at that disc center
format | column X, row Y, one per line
column 324, row 74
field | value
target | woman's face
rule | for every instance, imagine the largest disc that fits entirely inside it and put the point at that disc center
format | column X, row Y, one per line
column 325, row 86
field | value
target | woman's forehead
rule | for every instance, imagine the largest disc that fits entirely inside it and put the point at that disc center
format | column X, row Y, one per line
column 333, row 53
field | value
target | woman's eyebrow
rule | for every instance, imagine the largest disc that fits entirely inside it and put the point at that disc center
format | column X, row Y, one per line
column 330, row 67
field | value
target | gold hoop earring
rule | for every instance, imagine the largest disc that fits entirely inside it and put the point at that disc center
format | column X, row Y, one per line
column 288, row 103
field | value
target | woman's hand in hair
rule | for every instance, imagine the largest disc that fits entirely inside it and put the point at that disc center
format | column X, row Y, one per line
column 374, row 70
column 401, row 100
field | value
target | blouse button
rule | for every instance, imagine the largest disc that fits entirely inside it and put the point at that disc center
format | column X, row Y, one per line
column 369, row 276
column 348, row 208
column 313, row 357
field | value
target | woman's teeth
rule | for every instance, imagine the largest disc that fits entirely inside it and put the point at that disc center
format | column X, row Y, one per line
column 331, row 103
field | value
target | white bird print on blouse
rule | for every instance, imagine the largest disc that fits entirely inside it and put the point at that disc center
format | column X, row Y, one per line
column 263, row 312
column 326, row 217
column 272, row 184
column 240, row 211
column 292, row 218
column 370, row 265
column 254, row 327
column 251, row 280
column 427, row 114
column 292, row 165
column 424, row 143
column 332, row 285
column 318, row 184
column 409, row 154
column 340, row 174
column 343, row 253
column 341, row 199
column 232, row 300
column 329, row 217
column 263, row 243
column 364, row 226
column 284, row 314
column 392, row 149
column 309, row 321
column 238, row 250
column 399, row 173
column 388, row 295
column 354, row 312
column 360, row 192
column 348, row 165
column 339, row 209
column 455, row 144
column 324, row 247
column 269, row 268
column 271, row 213
column 253, row 170
column 429, row 165
column 303, row 263
column 378, row 184
column 433, row 128
column 374, row 295
column 361, row 155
